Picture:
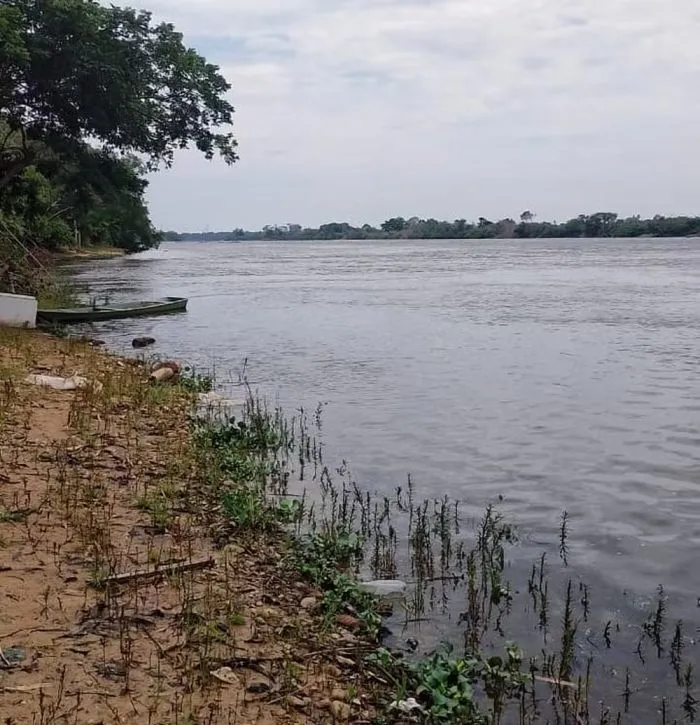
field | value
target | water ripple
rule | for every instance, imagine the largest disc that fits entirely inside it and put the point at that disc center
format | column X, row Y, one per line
column 558, row 374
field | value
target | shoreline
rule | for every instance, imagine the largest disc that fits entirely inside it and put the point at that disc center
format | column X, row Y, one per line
column 159, row 557
column 87, row 254
column 103, row 491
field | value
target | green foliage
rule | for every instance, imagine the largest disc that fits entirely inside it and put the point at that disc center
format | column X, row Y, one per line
column 320, row 556
column 85, row 88
column 601, row 224
column 343, row 593
column 57, row 293
column 14, row 516
column 158, row 505
column 325, row 559
column 247, row 508
column 451, row 687
column 193, row 382
column 73, row 69
column 473, row 689
column 243, row 451
column 239, row 459
column 224, row 451
column 397, row 224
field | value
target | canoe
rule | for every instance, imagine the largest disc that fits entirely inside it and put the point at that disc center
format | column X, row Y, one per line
column 98, row 313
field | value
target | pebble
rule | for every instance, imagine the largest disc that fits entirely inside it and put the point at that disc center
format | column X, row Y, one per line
column 339, row 694
column 341, row 711
column 412, row 644
column 346, row 620
column 258, row 686
column 296, row 702
column 308, row 603
column 335, row 672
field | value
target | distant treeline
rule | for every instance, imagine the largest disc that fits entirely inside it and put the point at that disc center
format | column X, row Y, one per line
column 601, row 224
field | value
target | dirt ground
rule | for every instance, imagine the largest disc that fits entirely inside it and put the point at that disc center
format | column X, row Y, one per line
column 115, row 606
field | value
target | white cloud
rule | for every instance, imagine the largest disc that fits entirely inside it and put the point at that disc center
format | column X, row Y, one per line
column 362, row 109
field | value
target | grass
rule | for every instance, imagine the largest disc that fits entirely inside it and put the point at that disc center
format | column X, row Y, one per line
column 89, row 252
column 58, row 293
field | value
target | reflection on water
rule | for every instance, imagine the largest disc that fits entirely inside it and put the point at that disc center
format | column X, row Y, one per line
column 556, row 374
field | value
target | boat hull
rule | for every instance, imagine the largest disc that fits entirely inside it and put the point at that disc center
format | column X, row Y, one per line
column 112, row 312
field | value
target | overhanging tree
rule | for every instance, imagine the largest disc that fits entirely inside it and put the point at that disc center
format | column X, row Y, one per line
column 74, row 70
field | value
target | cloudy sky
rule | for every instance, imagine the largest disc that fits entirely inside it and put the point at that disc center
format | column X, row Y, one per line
column 358, row 110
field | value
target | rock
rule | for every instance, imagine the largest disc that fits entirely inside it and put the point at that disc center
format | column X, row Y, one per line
column 346, row 620
column 92, row 341
column 340, row 711
column 308, row 603
column 339, row 694
column 388, row 588
column 324, row 704
column 348, row 637
column 268, row 614
column 335, row 672
column 163, row 371
column 296, row 702
column 258, row 685
column 162, row 375
column 174, row 366
column 143, row 341
column 12, row 657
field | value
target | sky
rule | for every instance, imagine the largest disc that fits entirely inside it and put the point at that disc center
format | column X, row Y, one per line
column 360, row 110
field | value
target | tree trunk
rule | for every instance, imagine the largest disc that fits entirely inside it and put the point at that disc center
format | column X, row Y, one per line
column 13, row 172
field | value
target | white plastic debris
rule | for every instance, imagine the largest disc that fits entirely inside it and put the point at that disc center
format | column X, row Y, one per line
column 226, row 675
column 407, row 706
column 384, row 587
column 57, row 383
column 213, row 407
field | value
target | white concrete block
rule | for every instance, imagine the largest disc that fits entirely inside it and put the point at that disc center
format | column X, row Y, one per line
column 17, row 310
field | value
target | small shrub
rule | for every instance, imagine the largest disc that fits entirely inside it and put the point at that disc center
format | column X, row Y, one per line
column 193, row 382
column 246, row 508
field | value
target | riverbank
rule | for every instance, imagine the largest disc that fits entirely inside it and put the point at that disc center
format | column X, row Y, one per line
column 161, row 563
column 125, row 596
column 87, row 254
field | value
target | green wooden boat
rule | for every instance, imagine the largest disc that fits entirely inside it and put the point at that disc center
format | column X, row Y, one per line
column 98, row 313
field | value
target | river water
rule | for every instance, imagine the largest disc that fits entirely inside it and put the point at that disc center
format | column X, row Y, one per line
column 556, row 374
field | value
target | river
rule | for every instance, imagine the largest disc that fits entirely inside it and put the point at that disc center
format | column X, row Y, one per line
column 554, row 374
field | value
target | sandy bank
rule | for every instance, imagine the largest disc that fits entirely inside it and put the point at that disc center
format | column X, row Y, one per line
column 98, row 490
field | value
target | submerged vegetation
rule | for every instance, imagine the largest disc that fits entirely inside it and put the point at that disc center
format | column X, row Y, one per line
column 91, row 98
column 269, row 475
